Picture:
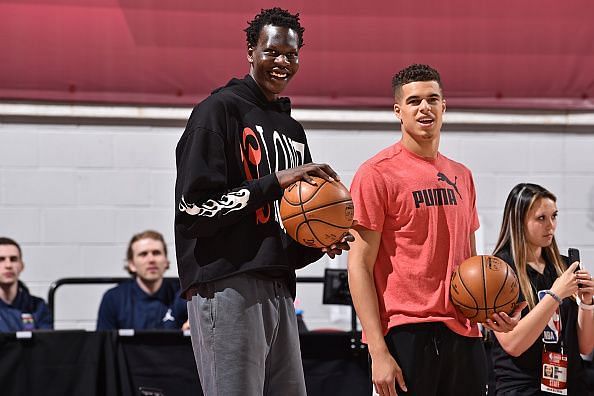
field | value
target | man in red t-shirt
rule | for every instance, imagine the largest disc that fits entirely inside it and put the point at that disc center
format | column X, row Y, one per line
column 416, row 217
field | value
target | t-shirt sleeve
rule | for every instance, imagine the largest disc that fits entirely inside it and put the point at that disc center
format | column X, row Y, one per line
column 474, row 219
column 369, row 194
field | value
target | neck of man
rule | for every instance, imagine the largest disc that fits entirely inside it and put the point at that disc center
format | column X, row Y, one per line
column 149, row 287
column 269, row 96
column 426, row 148
column 8, row 292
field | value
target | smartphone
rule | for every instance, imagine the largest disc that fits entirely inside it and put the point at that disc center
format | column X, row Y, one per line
column 574, row 255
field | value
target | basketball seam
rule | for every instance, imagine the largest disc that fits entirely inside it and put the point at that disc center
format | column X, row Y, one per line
column 315, row 192
column 485, row 308
column 305, row 217
column 319, row 207
column 330, row 224
column 476, row 307
column 306, row 222
column 502, row 285
column 515, row 299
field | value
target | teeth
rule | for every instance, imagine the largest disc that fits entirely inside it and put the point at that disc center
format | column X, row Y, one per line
column 279, row 75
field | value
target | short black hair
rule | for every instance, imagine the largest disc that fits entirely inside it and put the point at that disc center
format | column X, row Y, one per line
column 273, row 16
column 12, row 242
column 412, row 73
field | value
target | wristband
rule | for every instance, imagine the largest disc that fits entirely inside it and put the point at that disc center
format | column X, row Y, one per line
column 556, row 297
column 586, row 307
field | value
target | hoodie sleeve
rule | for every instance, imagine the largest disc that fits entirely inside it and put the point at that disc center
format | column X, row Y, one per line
column 205, row 203
column 41, row 315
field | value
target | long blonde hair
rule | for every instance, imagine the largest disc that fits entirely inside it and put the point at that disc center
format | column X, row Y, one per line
column 512, row 236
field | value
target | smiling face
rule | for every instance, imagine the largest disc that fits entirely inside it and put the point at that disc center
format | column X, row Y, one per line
column 149, row 261
column 420, row 106
column 540, row 223
column 274, row 60
column 11, row 265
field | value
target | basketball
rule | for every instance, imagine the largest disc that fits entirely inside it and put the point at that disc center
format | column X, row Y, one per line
column 483, row 285
column 317, row 216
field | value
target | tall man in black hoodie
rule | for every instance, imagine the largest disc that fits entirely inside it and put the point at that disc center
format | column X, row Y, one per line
column 240, row 149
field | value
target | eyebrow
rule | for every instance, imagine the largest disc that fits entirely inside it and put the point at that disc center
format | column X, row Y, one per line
column 433, row 95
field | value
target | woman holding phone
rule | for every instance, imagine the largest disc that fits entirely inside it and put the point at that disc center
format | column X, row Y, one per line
column 558, row 323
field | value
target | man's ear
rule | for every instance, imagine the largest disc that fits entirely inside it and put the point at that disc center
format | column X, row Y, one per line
column 168, row 263
column 22, row 267
column 397, row 111
column 131, row 266
column 250, row 54
column 444, row 106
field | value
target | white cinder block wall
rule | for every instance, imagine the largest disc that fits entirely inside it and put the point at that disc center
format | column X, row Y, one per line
column 73, row 194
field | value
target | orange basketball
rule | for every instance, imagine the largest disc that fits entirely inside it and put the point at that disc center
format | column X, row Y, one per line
column 317, row 216
column 483, row 285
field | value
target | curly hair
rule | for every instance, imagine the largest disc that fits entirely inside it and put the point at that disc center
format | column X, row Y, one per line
column 412, row 73
column 273, row 16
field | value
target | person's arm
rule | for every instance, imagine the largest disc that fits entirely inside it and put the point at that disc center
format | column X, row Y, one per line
column 384, row 369
column 206, row 200
column 107, row 316
column 530, row 327
column 472, row 244
column 42, row 317
column 585, row 323
column 180, row 312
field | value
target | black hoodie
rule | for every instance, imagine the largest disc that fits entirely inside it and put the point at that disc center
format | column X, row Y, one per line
column 226, row 192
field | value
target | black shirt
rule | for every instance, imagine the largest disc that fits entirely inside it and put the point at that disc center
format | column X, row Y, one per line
column 521, row 375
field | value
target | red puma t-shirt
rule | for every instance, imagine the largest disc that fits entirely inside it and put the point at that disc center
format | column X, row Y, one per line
column 425, row 210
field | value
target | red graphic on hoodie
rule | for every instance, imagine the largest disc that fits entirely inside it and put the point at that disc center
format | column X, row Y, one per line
column 251, row 156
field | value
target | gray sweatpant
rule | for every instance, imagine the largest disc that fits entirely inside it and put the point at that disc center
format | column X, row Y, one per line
column 245, row 338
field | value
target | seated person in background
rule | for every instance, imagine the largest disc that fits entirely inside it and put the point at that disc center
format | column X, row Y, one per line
column 19, row 310
column 147, row 301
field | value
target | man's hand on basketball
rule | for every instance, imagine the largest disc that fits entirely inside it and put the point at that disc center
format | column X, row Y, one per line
column 503, row 322
column 337, row 248
column 305, row 172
